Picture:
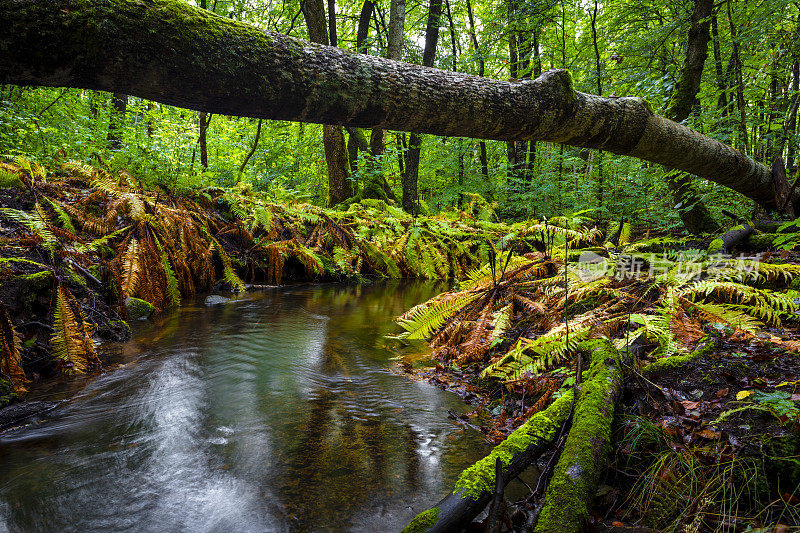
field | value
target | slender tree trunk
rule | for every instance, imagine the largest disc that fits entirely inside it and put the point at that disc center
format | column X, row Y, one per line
column 252, row 150
column 116, row 120
column 693, row 212
column 202, row 138
column 340, row 188
column 791, row 123
column 722, row 101
column 397, row 25
column 481, row 69
column 253, row 73
column 599, row 76
column 737, row 69
column 411, row 176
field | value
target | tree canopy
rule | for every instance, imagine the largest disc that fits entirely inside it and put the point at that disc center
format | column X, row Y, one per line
column 208, row 60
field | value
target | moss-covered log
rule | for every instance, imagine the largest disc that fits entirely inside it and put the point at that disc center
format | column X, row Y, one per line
column 706, row 346
column 725, row 242
column 168, row 51
column 475, row 486
column 578, row 470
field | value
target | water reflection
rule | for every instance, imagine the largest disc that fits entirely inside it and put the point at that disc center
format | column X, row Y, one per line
column 276, row 412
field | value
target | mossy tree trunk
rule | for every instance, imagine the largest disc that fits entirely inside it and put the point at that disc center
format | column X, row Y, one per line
column 474, row 488
column 116, row 120
column 245, row 71
column 411, row 175
column 693, row 211
column 340, row 188
column 584, row 457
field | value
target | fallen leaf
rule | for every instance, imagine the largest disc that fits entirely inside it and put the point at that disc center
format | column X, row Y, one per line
column 742, row 394
column 690, row 405
column 708, row 434
column 723, row 392
column 795, row 397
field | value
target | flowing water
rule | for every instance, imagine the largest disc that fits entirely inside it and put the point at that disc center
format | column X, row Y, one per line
column 278, row 411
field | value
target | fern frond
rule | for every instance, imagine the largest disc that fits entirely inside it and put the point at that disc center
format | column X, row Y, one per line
column 172, row 290
column 422, row 320
column 11, row 353
column 730, row 314
column 228, row 273
column 63, row 217
column 131, row 268
column 72, row 343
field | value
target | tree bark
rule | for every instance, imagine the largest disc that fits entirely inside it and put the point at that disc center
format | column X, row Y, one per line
column 481, row 70
column 693, row 212
column 340, row 188
column 411, row 175
column 202, row 138
column 253, row 73
column 116, row 120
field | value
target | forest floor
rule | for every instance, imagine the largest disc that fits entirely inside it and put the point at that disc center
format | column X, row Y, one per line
column 705, row 439
column 704, row 435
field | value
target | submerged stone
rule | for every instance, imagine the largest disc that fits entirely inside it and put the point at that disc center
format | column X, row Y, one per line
column 216, row 299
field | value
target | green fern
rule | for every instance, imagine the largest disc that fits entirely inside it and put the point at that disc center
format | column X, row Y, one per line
column 172, row 292
column 228, row 273
column 422, row 320
column 35, row 223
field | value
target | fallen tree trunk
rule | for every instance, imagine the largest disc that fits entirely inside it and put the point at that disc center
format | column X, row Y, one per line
column 575, row 477
column 475, row 487
column 725, row 242
column 171, row 52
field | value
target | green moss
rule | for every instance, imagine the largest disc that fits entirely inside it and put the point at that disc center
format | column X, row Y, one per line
column 541, row 427
column 422, row 521
column 138, row 308
column 764, row 240
column 576, row 475
column 7, row 262
column 73, row 278
column 717, row 246
column 38, row 280
column 676, row 361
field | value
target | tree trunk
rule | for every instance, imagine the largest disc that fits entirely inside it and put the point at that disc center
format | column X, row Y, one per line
column 481, row 70
column 791, row 126
column 411, row 175
column 693, row 212
column 397, row 25
column 253, row 73
column 722, row 100
column 116, row 120
column 736, row 61
column 252, row 150
column 202, row 138
column 599, row 79
column 340, row 187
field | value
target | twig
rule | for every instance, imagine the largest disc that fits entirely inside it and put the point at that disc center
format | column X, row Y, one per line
column 493, row 521
column 39, row 114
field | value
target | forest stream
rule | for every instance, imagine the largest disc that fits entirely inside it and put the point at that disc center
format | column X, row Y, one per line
column 276, row 411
